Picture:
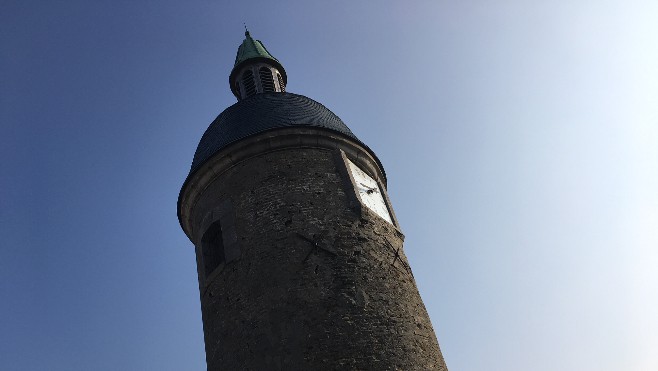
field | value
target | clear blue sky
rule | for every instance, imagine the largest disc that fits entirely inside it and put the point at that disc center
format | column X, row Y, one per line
column 520, row 139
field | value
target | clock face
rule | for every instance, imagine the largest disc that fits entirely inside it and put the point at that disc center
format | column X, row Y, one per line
column 369, row 192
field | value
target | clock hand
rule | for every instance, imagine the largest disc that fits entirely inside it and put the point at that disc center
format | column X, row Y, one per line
column 368, row 190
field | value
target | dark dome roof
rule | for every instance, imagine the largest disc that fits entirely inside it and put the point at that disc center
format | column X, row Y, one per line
column 263, row 112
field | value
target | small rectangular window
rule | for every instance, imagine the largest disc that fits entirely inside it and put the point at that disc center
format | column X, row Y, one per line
column 212, row 246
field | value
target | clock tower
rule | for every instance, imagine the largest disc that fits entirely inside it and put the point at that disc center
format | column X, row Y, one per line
column 299, row 255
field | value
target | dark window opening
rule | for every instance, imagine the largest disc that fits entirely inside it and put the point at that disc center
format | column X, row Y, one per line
column 266, row 79
column 281, row 85
column 248, row 82
column 212, row 247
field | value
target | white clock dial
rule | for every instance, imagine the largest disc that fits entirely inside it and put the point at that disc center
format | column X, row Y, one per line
column 369, row 192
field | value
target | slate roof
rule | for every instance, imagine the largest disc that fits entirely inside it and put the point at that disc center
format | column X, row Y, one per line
column 263, row 112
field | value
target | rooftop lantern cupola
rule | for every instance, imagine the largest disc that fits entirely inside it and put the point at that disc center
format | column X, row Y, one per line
column 256, row 70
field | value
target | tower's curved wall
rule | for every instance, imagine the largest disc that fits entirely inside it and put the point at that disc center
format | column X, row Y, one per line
column 310, row 280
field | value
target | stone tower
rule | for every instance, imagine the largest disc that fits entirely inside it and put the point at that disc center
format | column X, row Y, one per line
column 299, row 253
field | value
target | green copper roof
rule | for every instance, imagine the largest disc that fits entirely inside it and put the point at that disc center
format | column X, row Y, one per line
column 250, row 49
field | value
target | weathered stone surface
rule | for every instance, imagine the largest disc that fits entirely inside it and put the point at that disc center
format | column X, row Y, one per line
column 314, row 282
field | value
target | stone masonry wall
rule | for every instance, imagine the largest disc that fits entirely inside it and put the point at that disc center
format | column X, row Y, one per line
column 311, row 283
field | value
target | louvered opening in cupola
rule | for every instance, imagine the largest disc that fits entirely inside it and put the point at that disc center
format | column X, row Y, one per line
column 249, row 83
column 266, row 79
column 282, row 86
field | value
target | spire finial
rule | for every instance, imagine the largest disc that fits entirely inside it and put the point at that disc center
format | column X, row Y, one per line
column 246, row 30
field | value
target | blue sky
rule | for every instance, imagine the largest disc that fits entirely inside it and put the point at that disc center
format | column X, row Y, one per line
column 520, row 141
